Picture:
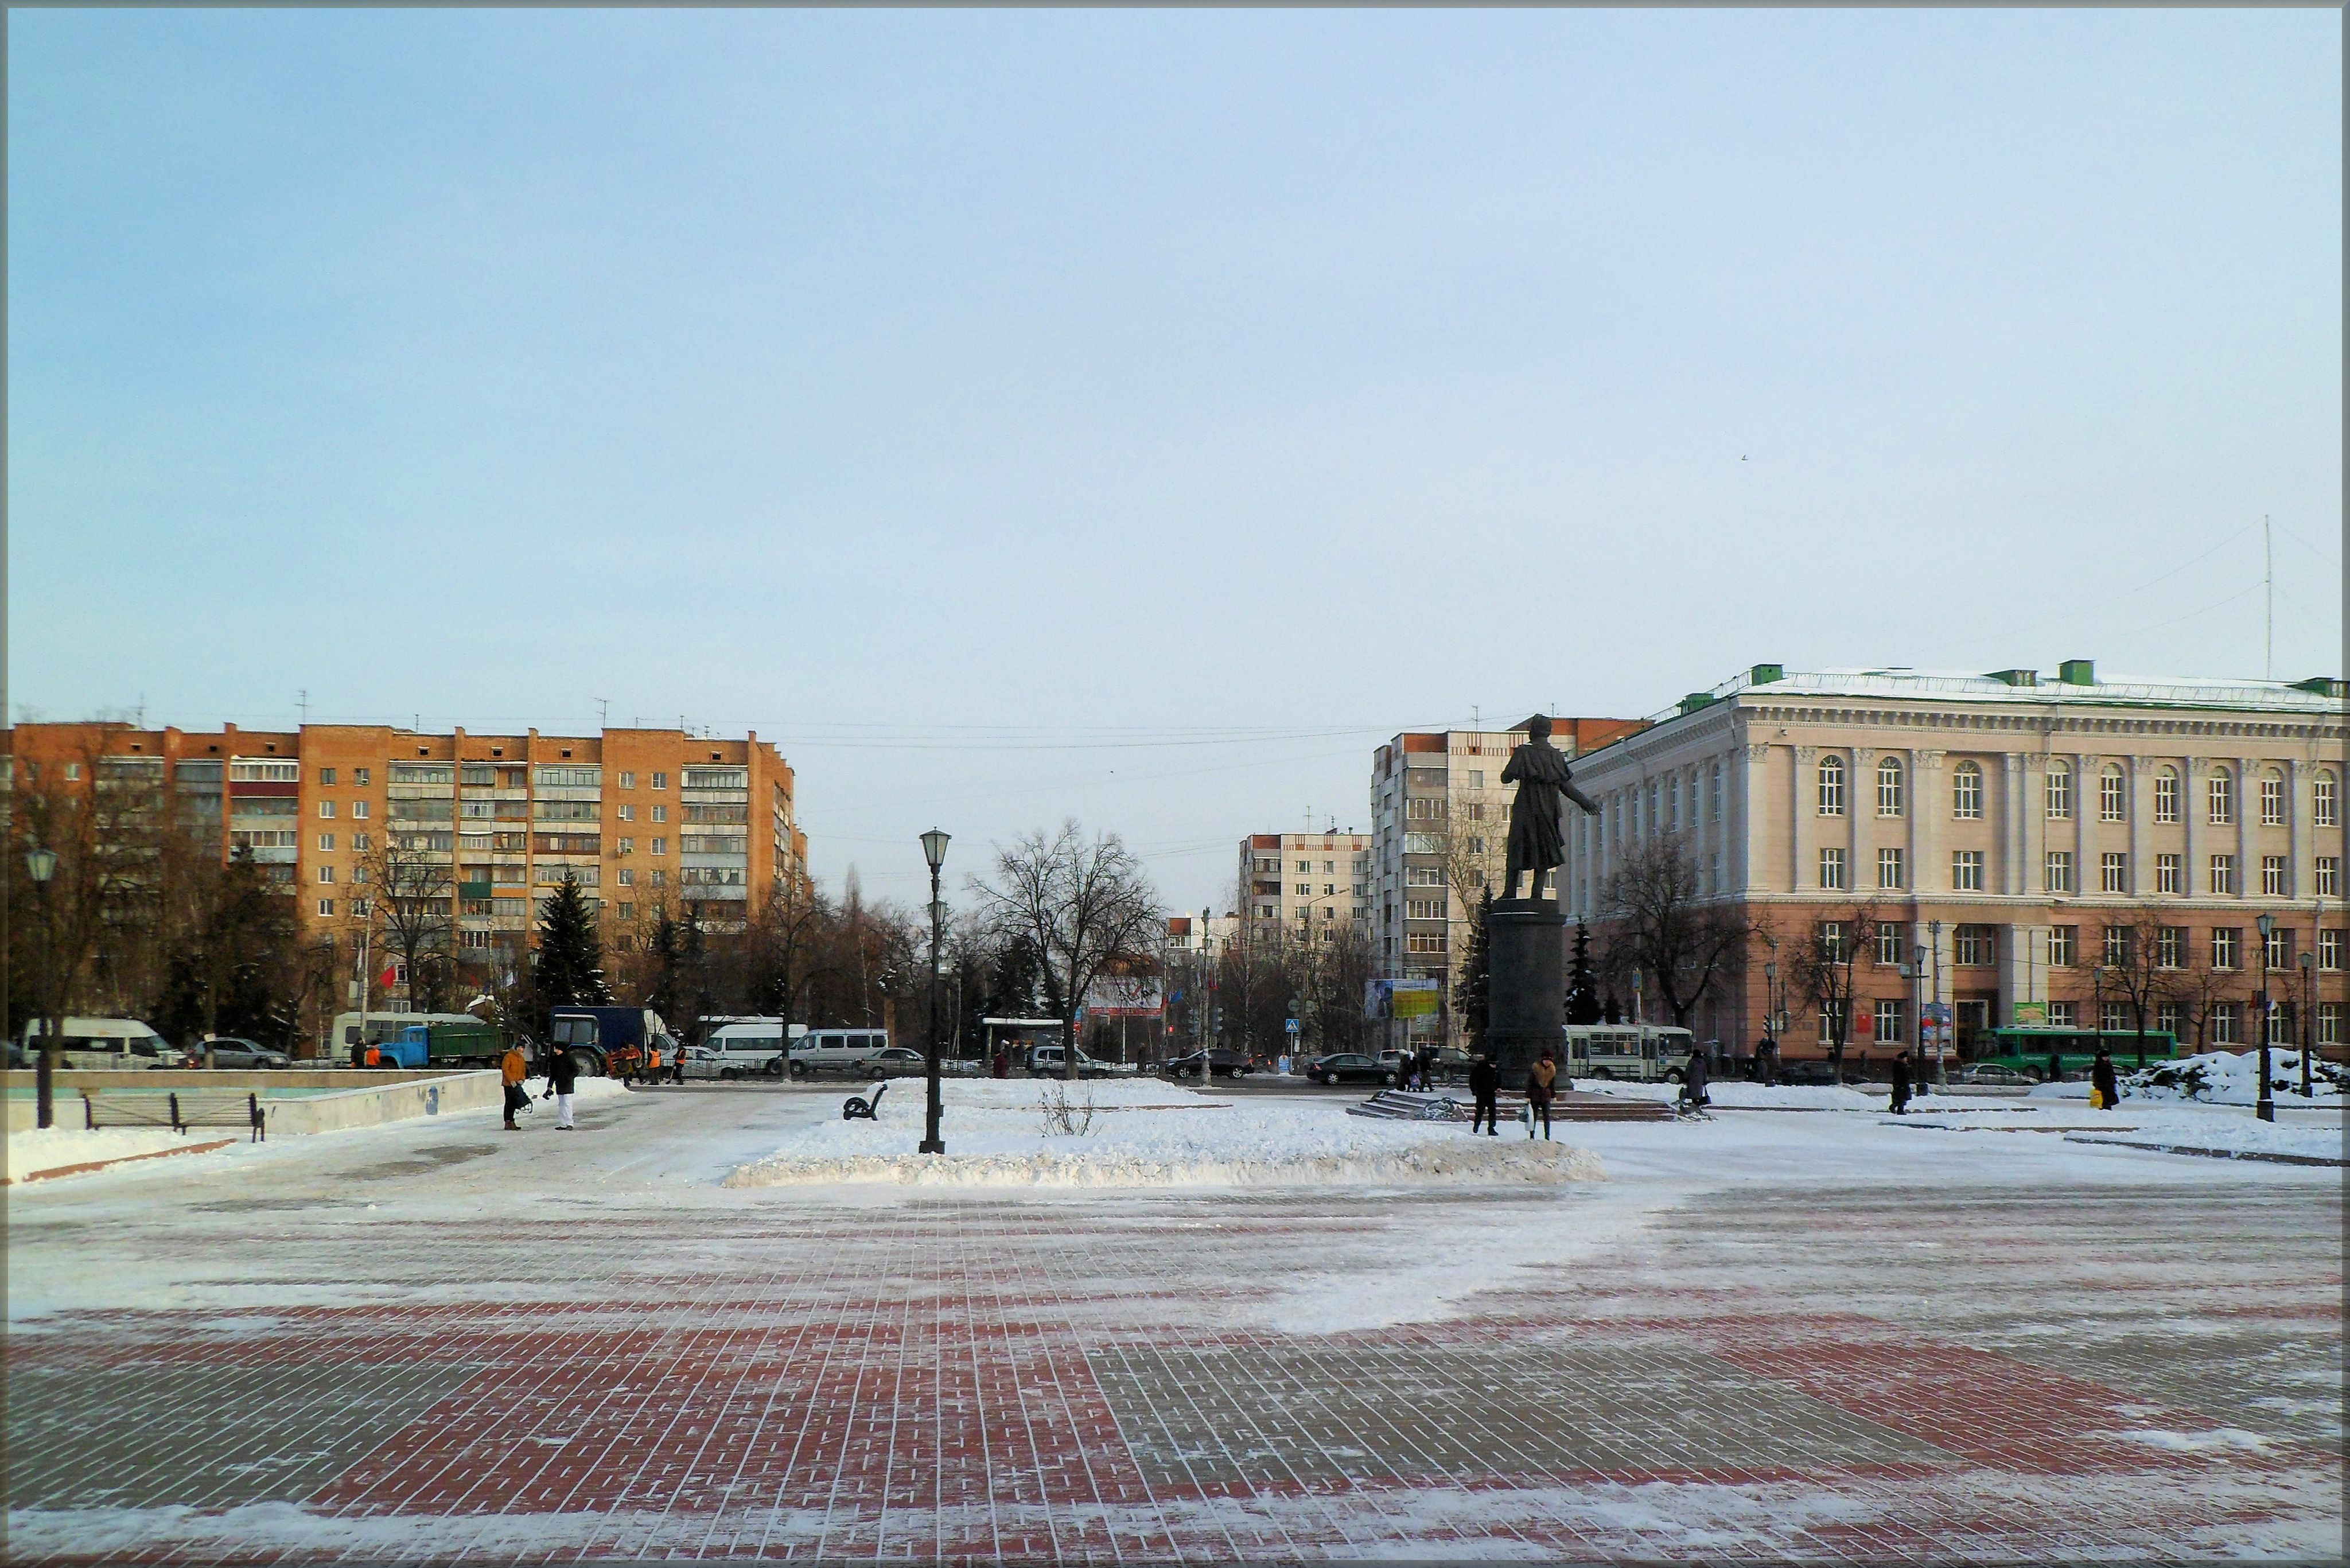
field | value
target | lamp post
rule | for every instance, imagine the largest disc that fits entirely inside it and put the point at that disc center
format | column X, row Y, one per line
column 2308, row 1023
column 2265, row 1107
column 42, row 865
column 1771, row 1016
column 1942, row 1022
column 1918, row 1004
column 934, row 851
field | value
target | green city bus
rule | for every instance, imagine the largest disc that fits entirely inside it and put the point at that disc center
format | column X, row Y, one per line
column 2027, row 1047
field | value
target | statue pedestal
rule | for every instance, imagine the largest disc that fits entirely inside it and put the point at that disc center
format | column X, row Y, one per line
column 1526, row 996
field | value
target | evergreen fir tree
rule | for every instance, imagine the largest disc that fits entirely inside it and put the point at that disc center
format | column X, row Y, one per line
column 1472, row 991
column 1611, row 1013
column 1582, row 988
column 569, row 972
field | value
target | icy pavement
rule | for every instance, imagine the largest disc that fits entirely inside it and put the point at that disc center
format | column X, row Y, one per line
column 1820, row 1337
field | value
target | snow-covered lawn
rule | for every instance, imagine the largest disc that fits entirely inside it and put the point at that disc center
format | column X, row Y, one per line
column 1737, row 1094
column 2223, row 1077
column 51, row 1149
column 1149, row 1134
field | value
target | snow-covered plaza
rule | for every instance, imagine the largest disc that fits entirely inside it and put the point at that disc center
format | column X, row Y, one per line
column 723, row 1323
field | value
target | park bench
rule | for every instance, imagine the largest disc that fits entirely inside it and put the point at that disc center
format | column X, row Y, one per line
column 178, row 1110
column 860, row 1107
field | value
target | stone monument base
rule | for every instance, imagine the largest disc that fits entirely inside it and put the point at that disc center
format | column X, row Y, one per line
column 1525, row 999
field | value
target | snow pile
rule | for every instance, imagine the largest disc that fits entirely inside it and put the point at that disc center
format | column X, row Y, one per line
column 51, row 1149
column 2218, row 1134
column 998, row 1134
column 1737, row 1094
column 2232, row 1079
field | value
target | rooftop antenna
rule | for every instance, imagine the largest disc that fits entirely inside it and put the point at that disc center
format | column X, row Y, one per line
column 2268, row 599
column 301, row 700
column 603, row 712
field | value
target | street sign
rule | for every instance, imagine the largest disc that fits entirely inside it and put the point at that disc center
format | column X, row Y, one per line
column 1289, row 1026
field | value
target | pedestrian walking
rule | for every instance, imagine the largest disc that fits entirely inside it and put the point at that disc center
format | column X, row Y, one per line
column 1539, row 1077
column 1485, row 1083
column 562, row 1080
column 1901, row 1076
column 2107, row 1087
column 1766, row 1060
column 1694, row 1079
column 513, row 1069
column 1003, row 1063
column 677, row 1067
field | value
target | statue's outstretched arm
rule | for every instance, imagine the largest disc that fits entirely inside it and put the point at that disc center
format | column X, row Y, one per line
column 1579, row 798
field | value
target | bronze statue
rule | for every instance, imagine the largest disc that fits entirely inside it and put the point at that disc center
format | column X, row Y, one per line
column 1537, row 838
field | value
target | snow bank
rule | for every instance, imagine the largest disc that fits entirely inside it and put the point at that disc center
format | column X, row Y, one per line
column 1149, row 1134
column 2220, row 1133
column 49, row 1148
column 2229, row 1078
column 1737, row 1094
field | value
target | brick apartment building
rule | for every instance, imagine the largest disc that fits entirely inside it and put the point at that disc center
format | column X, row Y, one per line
column 1303, row 887
column 635, row 815
column 2004, row 823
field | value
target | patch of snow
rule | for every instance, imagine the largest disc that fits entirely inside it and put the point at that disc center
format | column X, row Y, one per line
column 2233, row 1078
column 1149, row 1135
column 49, row 1148
column 2219, row 1439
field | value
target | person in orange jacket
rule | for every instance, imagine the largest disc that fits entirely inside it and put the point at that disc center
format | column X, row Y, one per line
column 513, row 1069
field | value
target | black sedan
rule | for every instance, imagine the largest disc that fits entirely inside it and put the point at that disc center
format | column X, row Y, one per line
column 1346, row 1067
column 1217, row 1064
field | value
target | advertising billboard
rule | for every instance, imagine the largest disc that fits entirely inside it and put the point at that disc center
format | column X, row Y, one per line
column 1385, row 999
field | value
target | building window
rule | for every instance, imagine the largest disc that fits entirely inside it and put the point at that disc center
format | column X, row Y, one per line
column 325, row 775
column 627, row 780
column 327, row 808
column 1265, row 911
column 2329, row 1023
column 2112, row 1017
column 1967, row 870
column 660, row 813
column 2167, row 1018
column 326, row 843
column 2165, row 795
column 628, row 814
column 2329, row 876
column 1890, row 1030
column 1424, row 942
column 1831, row 786
column 2223, row 872
column 2278, row 949
column 2329, row 947
column 1476, row 778
column 2222, row 795
column 627, row 846
column 326, row 907
column 2169, row 874
column 2060, row 1015
column 2060, row 792
column 2271, row 800
column 359, row 777
column 1889, row 943
column 1974, row 947
column 359, row 808
column 1423, row 808
column 661, row 846
column 2113, row 795
column 2113, row 872
column 325, row 874
column 661, row 879
column 2321, row 800
column 1423, row 877
column 661, row 781
column 1713, row 792
column 360, row 843
column 1889, row 868
column 2118, row 941
column 2225, row 946
column 1966, row 792
column 2225, row 1024
column 2170, row 947
column 1888, row 787
column 1832, row 941
column 2063, row 942
column 2060, row 871
column 1423, row 909
column 2272, row 876
column 1831, row 869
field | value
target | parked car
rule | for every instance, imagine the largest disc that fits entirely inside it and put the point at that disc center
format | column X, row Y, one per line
column 1808, row 1072
column 103, row 1045
column 1047, row 1062
column 1992, row 1073
column 836, row 1051
column 702, row 1063
column 898, row 1062
column 1217, row 1064
column 1348, row 1067
column 229, row 1052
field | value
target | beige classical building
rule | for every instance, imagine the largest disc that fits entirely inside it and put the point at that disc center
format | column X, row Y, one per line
column 2002, row 822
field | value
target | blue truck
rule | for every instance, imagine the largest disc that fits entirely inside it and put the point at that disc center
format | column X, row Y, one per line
column 468, row 1043
column 610, row 1039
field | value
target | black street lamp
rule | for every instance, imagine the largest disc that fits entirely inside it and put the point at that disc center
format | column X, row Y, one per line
column 934, row 851
column 42, row 865
column 2308, row 1027
column 2265, row 1107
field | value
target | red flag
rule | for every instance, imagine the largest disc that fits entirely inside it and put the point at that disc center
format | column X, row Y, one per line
column 391, row 973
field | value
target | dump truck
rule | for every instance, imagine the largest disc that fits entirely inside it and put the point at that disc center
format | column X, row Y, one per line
column 469, row 1044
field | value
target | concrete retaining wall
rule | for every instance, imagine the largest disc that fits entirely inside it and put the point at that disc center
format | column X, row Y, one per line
column 364, row 1098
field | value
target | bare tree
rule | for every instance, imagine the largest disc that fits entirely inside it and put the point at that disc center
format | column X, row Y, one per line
column 411, row 888
column 1087, row 907
column 1657, row 926
column 1821, row 963
column 2133, row 964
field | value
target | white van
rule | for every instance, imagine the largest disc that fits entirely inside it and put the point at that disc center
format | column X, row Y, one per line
column 102, row 1045
column 743, row 1046
column 1640, row 1052
column 836, row 1051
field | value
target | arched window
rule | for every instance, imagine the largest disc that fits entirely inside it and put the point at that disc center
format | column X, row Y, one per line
column 2165, row 795
column 2113, row 795
column 1966, row 792
column 2223, row 797
column 1831, row 786
column 2059, row 791
column 2272, row 799
column 1888, row 787
column 2323, row 811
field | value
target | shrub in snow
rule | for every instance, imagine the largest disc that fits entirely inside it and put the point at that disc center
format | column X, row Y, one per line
column 1063, row 1119
column 2230, row 1077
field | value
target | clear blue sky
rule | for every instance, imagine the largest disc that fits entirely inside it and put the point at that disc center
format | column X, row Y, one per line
column 1139, row 416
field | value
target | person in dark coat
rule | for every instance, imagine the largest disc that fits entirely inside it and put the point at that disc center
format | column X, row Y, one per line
column 1766, row 1060
column 1539, row 1077
column 2102, row 1079
column 1694, row 1077
column 562, row 1083
column 1485, row 1083
column 1901, row 1076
